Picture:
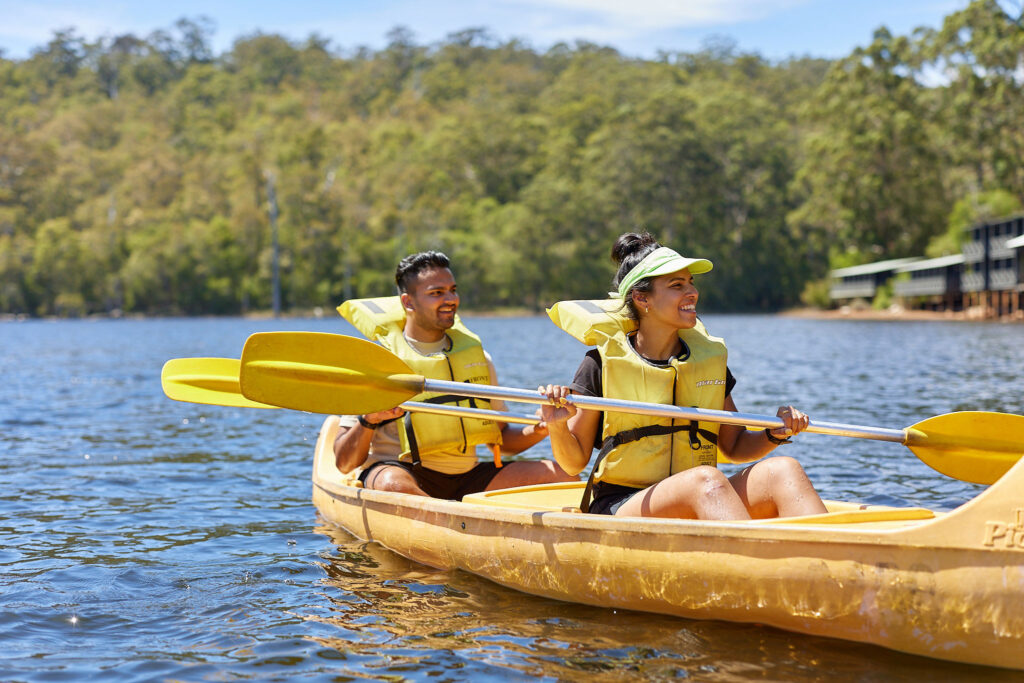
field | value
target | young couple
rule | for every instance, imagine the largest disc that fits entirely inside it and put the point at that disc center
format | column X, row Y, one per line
column 650, row 347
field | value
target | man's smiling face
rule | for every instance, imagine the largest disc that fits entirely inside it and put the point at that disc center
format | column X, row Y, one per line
column 432, row 300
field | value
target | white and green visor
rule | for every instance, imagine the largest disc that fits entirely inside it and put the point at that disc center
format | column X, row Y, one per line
column 661, row 261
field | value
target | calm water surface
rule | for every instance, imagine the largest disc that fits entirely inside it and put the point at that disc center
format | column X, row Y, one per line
column 144, row 539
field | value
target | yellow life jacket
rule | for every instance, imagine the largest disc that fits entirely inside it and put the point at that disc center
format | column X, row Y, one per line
column 425, row 437
column 641, row 450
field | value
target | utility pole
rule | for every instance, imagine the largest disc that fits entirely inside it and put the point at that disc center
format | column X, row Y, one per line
column 276, row 281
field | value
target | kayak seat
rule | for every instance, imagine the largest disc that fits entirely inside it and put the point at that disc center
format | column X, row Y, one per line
column 557, row 497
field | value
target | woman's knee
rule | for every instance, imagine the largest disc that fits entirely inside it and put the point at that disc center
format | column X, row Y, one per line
column 709, row 494
column 708, row 479
column 787, row 467
column 790, row 490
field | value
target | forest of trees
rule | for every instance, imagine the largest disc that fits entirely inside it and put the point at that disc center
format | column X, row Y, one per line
column 135, row 171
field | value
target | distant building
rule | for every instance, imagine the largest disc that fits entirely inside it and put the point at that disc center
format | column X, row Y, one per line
column 1016, row 245
column 986, row 279
column 862, row 282
column 934, row 282
column 991, row 278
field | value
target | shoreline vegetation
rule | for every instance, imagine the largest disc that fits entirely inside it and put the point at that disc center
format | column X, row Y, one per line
column 149, row 175
column 897, row 313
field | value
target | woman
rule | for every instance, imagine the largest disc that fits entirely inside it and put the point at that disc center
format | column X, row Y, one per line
column 657, row 351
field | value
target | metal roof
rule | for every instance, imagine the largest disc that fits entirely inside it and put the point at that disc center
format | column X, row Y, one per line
column 994, row 221
column 871, row 268
column 925, row 264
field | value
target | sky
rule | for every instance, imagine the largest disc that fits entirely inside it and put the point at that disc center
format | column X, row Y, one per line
column 775, row 29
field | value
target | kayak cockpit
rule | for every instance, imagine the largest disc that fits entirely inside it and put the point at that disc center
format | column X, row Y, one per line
column 565, row 497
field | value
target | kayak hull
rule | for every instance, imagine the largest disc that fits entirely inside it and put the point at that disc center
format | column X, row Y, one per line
column 948, row 586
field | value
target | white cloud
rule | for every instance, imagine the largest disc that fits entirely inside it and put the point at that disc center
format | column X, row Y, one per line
column 618, row 16
column 544, row 22
column 632, row 26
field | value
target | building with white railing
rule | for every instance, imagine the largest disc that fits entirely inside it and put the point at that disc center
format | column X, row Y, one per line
column 862, row 282
column 985, row 279
column 932, row 283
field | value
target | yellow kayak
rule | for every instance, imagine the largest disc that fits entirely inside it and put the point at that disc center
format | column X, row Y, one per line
column 943, row 585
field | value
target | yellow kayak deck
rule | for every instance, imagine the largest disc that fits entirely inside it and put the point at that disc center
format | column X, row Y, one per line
column 943, row 585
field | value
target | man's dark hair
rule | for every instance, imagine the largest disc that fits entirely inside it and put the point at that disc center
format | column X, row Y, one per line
column 414, row 264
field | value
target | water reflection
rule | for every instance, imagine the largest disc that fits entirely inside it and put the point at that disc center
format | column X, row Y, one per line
column 396, row 618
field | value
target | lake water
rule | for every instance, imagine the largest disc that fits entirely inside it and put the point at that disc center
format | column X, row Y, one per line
column 145, row 539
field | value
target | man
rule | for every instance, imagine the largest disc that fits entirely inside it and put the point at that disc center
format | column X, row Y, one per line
column 438, row 452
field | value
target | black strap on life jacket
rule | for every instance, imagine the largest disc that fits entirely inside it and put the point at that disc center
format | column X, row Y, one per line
column 410, row 433
column 629, row 435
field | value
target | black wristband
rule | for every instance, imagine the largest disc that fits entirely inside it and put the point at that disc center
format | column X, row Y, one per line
column 366, row 424
column 774, row 439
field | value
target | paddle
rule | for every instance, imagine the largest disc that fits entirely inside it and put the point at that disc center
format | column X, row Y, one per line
column 214, row 381
column 330, row 373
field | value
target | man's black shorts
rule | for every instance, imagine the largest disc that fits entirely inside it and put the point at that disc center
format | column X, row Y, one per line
column 437, row 484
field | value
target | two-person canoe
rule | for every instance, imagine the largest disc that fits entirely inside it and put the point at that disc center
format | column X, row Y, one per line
column 943, row 585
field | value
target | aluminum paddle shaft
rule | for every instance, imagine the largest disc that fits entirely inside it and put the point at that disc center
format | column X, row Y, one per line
column 674, row 412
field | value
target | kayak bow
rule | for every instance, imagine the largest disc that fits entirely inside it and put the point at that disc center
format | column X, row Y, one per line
column 942, row 585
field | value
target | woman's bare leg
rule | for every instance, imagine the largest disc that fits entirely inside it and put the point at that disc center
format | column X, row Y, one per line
column 777, row 487
column 697, row 493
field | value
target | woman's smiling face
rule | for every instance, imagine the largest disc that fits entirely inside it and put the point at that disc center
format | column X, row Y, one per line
column 671, row 301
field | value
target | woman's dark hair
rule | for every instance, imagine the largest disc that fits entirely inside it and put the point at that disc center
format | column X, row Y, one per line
column 414, row 264
column 629, row 250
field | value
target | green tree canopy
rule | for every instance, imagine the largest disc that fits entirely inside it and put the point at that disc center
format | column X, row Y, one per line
column 134, row 170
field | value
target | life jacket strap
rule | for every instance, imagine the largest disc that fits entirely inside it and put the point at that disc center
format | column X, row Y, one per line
column 451, row 398
column 629, row 435
column 709, row 436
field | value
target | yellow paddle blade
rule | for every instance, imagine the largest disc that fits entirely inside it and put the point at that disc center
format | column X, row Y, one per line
column 213, row 381
column 972, row 446
column 324, row 373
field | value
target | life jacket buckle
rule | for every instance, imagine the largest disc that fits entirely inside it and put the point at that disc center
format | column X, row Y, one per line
column 694, row 438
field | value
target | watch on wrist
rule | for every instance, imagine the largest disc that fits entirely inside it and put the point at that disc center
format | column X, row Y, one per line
column 774, row 439
column 367, row 424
